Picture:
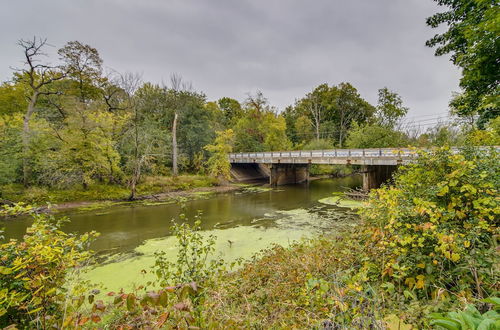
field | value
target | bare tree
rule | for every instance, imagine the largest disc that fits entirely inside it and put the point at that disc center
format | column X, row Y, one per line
column 257, row 102
column 38, row 76
column 129, row 83
column 175, row 168
column 177, row 85
column 316, row 112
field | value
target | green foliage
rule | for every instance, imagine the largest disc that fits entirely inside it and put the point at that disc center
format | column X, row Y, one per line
column 98, row 192
column 86, row 150
column 231, row 109
column 330, row 111
column 390, row 108
column 434, row 230
column 83, row 66
column 10, row 148
column 490, row 136
column 472, row 40
column 442, row 135
column 218, row 163
column 34, row 272
column 375, row 136
column 12, row 98
column 260, row 129
column 321, row 144
column 194, row 263
column 470, row 318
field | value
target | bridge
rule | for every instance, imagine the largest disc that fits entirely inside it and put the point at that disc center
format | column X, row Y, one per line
column 286, row 167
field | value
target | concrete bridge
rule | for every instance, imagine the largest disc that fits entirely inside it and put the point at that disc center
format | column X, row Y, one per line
column 285, row 167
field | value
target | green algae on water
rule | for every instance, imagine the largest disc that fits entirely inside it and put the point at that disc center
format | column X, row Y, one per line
column 341, row 201
column 231, row 244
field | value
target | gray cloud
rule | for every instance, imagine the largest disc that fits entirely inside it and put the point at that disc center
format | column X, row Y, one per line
column 231, row 47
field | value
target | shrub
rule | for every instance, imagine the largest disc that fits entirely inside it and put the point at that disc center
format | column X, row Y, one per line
column 34, row 272
column 434, row 231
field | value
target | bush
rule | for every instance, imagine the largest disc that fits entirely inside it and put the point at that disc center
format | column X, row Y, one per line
column 433, row 233
column 34, row 273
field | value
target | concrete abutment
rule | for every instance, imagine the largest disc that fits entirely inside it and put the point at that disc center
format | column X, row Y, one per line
column 375, row 175
column 288, row 173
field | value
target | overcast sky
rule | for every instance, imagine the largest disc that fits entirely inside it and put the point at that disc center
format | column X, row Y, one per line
column 231, row 47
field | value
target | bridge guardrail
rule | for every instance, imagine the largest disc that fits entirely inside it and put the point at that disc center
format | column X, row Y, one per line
column 399, row 153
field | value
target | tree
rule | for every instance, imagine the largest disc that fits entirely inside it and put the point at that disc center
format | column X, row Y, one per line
column 304, row 129
column 350, row 108
column 218, row 162
column 130, row 83
column 375, row 136
column 473, row 43
column 87, row 149
column 390, row 108
column 275, row 137
column 331, row 110
column 83, row 64
column 316, row 110
column 260, row 128
column 38, row 76
column 178, row 87
column 232, row 110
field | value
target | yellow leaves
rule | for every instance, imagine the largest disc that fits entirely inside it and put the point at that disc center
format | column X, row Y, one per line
column 420, row 282
column 468, row 188
column 443, row 191
column 410, row 281
column 435, row 262
column 455, row 257
column 467, row 244
column 421, row 265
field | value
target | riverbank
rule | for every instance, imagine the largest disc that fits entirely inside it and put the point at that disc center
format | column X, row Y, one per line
column 151, row 190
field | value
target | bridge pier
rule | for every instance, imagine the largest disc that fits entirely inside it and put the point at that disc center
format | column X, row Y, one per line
column 288, row 173
column 375, row 175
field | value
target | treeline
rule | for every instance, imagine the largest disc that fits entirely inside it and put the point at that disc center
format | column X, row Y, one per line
column 74, row 123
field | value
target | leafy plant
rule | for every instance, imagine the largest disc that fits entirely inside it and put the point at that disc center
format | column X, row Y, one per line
column 470, row 318
column 218, row 163
column 433, row 233
column 193, row 262
column 35, row 272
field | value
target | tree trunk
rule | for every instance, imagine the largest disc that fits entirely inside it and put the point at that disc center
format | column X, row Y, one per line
column 175, row 170
column 26, row 137
column 135, row 179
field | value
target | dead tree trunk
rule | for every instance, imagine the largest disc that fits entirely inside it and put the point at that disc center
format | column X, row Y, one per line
column 175, row 170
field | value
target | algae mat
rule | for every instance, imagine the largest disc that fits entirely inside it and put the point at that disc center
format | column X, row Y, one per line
column 282, row 227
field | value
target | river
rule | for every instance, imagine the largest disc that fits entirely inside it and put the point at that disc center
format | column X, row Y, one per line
column 244, row 223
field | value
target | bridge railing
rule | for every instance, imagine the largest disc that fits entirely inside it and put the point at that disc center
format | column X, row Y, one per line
column 384, row 156
column 331, row 153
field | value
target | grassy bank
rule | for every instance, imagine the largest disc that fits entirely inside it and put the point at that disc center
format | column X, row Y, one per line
column 102, row 192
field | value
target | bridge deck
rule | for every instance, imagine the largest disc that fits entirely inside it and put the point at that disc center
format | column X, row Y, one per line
column 379, row 156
